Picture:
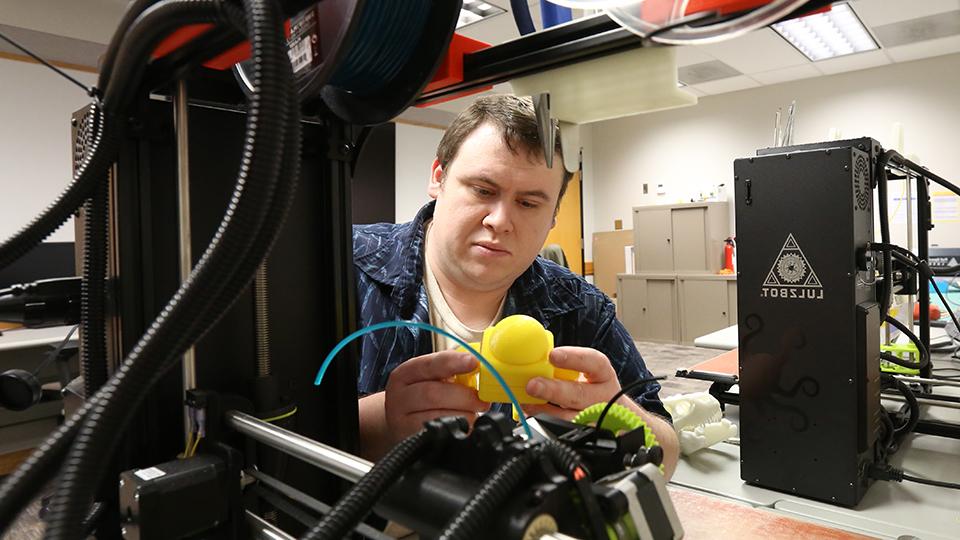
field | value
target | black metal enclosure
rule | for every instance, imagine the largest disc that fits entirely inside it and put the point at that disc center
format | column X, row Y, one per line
column 310, row 284
column 809, row 322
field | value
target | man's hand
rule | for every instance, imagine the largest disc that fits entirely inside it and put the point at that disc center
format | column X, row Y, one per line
column 421, row 389
column 599, row 383
column 418, row 390
column 567, row 398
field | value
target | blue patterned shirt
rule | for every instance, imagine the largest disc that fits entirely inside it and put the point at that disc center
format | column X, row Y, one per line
column 389, row 270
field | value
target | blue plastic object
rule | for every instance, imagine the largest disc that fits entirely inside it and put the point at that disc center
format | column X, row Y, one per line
column 552, row 14
column 393, row 324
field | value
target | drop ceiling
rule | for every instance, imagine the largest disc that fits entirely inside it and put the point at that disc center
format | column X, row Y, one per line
column 913, row 29
column 75, row 33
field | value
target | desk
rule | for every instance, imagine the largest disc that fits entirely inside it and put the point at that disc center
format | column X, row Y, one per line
column 727, row 338
column 709, row 517
column 888, row 510
column 724, row 339
column 24, row 338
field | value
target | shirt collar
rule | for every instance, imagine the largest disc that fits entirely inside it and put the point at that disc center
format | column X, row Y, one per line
column 397, row 261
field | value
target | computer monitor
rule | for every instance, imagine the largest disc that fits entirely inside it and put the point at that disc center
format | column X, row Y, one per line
column 46, row 260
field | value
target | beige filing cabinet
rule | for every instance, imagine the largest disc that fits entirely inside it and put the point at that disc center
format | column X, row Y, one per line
column 647, row 306
column 707, row 304
column 680, row 237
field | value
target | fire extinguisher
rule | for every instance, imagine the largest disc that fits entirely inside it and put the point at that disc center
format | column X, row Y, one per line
column 728, row 256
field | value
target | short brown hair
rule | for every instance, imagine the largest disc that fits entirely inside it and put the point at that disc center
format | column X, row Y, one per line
column 517, row 120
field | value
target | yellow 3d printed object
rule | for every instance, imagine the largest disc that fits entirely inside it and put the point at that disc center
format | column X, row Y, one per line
column 519, row 348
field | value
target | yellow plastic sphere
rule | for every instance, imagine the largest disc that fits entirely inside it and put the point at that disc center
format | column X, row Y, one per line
column 520, row 340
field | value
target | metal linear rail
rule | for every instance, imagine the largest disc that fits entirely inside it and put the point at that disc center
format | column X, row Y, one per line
column 328, row 458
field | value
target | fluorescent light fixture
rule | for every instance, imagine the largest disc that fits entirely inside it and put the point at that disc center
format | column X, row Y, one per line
column 476, row 10
column 837, row 32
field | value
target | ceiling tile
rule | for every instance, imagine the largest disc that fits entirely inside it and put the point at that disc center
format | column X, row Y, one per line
column 880, row 12
column 692, row 54
column 853, row 62
column 756, row 52
column 920, row 29
column 786, row 74
column 705, row 71
column 925, row 49
column 732, row 84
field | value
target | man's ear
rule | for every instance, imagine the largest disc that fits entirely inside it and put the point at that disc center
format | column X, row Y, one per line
column 436, row 180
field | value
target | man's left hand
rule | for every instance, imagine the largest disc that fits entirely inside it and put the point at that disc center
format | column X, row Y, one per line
column 567, row 398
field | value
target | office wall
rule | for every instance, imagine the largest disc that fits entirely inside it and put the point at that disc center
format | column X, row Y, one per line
column 692, row 149
column 35, row 149
column 415, row 151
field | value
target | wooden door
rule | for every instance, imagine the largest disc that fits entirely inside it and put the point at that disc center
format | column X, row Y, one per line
column 568, row 233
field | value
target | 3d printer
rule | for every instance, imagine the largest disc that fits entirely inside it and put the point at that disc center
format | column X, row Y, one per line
column 213, row 291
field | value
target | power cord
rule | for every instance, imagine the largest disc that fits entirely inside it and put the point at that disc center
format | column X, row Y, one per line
column 893, row 474
column 632, row 386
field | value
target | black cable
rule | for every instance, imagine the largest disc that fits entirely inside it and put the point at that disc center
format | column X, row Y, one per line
column 937, row 483
column 356, row 503
column 922, row 351
column 521, row 16
column 946, row 305
column 88, row 90
column 894, row 474
column 889, row 381
column 572, row 466
column 886, row 286
column 624, row 390
column 52, row 355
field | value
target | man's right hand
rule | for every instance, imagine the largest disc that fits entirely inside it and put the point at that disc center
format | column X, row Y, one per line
column 418, row 390
column 421, row 389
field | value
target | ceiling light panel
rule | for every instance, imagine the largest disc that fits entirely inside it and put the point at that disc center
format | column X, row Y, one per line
column 476, row 10
column 833, row 33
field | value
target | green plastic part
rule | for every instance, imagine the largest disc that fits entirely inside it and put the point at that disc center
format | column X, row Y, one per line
column 619, row 419
column 905, row 351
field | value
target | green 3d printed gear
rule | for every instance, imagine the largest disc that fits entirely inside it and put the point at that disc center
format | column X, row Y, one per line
column 619, row 418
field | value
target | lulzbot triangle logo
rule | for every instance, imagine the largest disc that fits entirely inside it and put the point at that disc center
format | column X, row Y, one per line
column 791, row 275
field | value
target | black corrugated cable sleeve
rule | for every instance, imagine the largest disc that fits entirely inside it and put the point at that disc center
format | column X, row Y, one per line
column 146, row 32
column 85, row 179
column 134, row 9
column 475, row 515
column 93, row 335
column 18, row 488
column 21, row 486
column 356, row 503
column 202, row 292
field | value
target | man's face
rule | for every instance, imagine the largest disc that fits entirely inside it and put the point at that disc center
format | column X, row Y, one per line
column 494, row 210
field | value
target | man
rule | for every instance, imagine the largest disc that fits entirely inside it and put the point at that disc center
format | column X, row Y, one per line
column 469, row 259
